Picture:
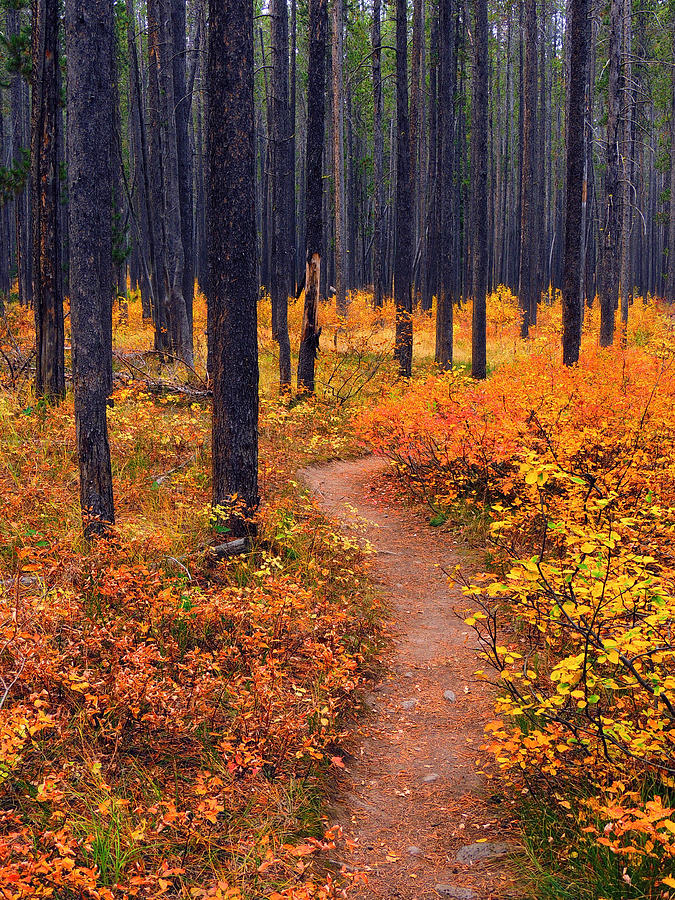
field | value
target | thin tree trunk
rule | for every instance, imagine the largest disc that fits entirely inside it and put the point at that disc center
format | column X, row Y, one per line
column 577, row 31
column 183, row 105
column 611, row 227
column 479, row 131
column 378, row 160
column 316, row 101
column 338, row 152
column 48, row 301
column 403, row 256
column 281, row 190
column 625, row 279
column 446, row 183
column 179, row 328
column 527, row 287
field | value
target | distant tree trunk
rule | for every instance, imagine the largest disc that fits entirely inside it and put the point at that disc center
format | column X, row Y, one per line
column 179, row 327
column 48, row 301
column 431, row 255
column 232, row 263
column 577, row 32
column 671, row 225
column 338, row 152
column 89, row 44
column 625, row 280
column 403, row 258
column 611, row 227
column 479, row 133
column 20, row 117
column 447, row 70
column 183, row 105
column 156, row 180
column 316, row 105
column 527, row 289
column 281, row 136
column 292, row 150
column 415, row 126
column 378, row 159
column 146, row 238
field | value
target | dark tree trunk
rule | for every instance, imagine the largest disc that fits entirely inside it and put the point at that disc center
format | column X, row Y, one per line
column 48, row 301
column 479, row 133
column 431, row 255
column 447, row 231
column 337, row 22
column 378, row 160
column 146, row 236
column 89, row 43
column 178, row 325
column 577, row 31
column 232, row 263
column 403, row 257
column 156, row 180
column 292, row 150
column 670, row 292
column 316, row 109
column 281, row 136
column 21, row 146
column 611, row 227
column 527, row 281
column 183, row 105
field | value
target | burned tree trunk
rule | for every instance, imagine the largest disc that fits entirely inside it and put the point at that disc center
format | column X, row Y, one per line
column 89, row 43
column 403, row 255
column 378, row 158
column 232, row 281
column 577, row 31
column 479, row 135
column 527, row 281
column 611, row 226
column 447, row 68
column 282, row 245
column 48, row 301
column 316, row 108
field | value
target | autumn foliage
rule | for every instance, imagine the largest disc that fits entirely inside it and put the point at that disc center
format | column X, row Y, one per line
column 571, row 475
column 167, row 721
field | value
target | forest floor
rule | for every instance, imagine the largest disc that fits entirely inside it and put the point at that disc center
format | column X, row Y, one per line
column 420, row 818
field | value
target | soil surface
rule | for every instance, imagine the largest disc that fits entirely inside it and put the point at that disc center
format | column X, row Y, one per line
column 420, row 819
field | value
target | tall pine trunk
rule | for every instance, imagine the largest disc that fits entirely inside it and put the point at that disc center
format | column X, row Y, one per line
column 527, row 280
column 48, row 301
column 338, row 152
column 89, row 44
column 232, row 263
column 479, row 152
column 316, row 107
column 611, row 226
column 447, row 232
column 577, row 31
column 378, row 160
column 403, row 254
column 282, row 247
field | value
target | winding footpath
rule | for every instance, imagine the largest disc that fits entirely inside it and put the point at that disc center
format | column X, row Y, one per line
column 420, row 820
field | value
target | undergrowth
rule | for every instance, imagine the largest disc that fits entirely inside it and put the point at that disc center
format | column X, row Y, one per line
column 571, row 476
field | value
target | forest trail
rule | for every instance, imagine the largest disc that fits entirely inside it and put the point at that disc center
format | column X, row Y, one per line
column 423, row 821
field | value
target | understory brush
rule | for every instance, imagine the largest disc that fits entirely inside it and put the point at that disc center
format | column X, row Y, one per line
column 572, row 476
column 169, row 722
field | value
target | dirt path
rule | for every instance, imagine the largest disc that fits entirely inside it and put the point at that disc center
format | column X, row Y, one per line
column 423, row 821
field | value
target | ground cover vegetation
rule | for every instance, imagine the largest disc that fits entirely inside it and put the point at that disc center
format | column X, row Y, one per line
column 568, row 476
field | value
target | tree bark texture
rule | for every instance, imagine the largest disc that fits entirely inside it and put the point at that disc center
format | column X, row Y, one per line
column 232, row 282
column 48, row 301
column 316, row 109
column 89, row 43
